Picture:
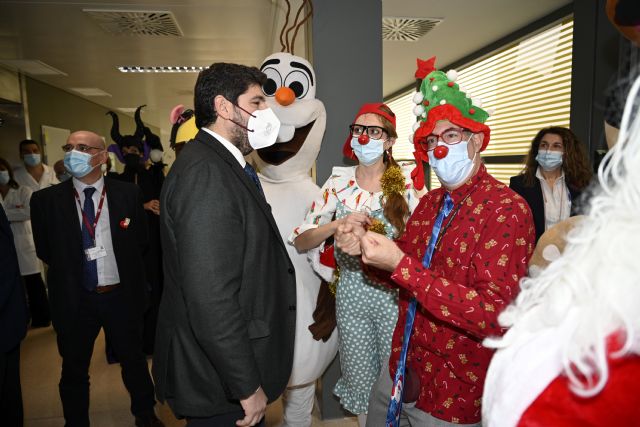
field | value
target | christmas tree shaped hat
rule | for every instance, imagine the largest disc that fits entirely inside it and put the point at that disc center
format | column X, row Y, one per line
column 440, row 98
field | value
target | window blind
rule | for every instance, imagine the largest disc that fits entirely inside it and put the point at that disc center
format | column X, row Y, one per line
column 527, row 84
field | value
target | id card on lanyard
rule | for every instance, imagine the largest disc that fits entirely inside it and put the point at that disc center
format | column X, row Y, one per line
column 94, row 252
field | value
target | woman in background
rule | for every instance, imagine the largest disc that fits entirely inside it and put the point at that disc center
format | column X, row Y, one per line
column 556, row 173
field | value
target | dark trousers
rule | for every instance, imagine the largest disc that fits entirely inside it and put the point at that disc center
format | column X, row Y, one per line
column 223, row 420
column 113, row 312
column 11, row 412
column 38, row 301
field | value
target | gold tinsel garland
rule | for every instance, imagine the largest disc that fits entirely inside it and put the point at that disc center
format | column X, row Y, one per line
column 392, row 181
column 333, row 286
column 377, row 226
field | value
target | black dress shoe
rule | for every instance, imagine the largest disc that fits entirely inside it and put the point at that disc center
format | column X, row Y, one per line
column 149, row 420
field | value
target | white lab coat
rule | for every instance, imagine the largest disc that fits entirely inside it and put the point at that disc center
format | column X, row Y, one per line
column 24, row 178
column 16, row 206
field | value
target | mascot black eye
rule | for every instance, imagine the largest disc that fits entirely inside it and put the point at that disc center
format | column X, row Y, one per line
column 298, row 82
column 297, row 88
column 274, row 81
column 269, row 87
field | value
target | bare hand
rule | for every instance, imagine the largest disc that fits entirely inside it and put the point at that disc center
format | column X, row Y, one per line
column 357, row 219
column 153, row 206
column 380, row 252
column 254, row 408
column 347, row 237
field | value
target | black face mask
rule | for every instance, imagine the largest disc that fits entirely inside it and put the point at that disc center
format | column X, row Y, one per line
column 131, row 160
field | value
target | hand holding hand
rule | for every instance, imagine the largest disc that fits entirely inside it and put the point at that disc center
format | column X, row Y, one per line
column 153, row 206
column 254, row 408
column 380, row 252
column 347, row 237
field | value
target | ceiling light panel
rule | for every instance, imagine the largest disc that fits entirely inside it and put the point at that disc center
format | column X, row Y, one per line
column 162, row 69
column 32, row 67
column 136, row 22
column 407, row 29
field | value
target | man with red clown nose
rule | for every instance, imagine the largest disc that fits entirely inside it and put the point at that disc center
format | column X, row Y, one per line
column 457, row 266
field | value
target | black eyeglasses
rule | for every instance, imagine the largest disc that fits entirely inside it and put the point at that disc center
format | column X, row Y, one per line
column 450, row 136
column 80, row 147
column 374, row 132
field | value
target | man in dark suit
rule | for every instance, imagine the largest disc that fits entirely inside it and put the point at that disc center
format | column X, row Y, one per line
column 92, row 232
column 14, row 317
column 224, row 344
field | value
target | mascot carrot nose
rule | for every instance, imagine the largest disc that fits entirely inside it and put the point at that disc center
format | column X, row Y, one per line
column 440, row 152
column 363, row 139
column 285, row 96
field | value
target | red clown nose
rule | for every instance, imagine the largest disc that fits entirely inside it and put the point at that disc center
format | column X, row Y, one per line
column 363, row 139
column 440, row 152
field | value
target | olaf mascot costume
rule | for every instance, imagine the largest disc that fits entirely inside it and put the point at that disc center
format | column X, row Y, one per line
column 284, row 173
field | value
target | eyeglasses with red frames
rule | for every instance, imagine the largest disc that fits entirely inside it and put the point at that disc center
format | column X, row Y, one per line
column 450, row 136
column 375, row 132
column 80, row 147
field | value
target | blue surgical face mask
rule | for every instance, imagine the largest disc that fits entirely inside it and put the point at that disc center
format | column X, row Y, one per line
column 32, row 159
column 4, row 177
column 549, row 160
column 78, row 163
column 369, row 153
column 455, row 167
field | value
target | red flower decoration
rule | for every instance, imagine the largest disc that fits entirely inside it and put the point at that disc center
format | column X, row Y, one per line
column 450, row 84
column 124, row 224
column 425, row 67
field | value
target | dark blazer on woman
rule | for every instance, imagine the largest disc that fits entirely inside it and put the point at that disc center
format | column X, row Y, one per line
column 58, row 238
column 533, row 196
column 227, row 317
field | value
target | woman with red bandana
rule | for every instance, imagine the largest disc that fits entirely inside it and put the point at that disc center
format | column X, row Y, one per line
column 374, row 194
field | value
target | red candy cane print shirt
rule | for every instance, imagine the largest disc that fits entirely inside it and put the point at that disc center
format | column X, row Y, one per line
column 473, row 276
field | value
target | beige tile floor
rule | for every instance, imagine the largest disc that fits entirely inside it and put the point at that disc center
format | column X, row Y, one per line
column 40, row 373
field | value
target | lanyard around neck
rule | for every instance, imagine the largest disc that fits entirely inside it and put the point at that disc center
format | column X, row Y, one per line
column 91, row 227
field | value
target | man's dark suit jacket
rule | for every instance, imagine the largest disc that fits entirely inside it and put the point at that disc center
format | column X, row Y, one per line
column 14, row 315
column 533, row 196
column 58, row 239
column 227, row 317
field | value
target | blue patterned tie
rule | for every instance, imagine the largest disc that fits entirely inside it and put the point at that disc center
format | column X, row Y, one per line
column 251, row 173
column 395, row 404
column 89, row 268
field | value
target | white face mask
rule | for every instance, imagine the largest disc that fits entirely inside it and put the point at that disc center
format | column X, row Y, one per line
column 263, row 128
column 455, row 167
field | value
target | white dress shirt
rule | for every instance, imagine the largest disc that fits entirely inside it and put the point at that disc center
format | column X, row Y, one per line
column 557, row 200
column 23, row 177
column 229, row 146
column 107, row 267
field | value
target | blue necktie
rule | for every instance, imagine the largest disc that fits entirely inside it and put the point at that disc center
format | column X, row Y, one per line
column 395, row 404
column 89, row 268
column 251, row 173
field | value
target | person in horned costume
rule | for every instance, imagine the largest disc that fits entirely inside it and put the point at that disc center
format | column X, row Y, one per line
column 134, row 151
column 284, row 171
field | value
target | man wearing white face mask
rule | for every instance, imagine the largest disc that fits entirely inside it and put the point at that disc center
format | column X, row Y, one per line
column 35, row 174
column 457, row 265
column 226, row 326
column 92, row 232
